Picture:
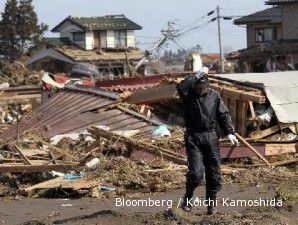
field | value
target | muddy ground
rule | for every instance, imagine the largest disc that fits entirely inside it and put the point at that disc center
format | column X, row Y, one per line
column 105, row 211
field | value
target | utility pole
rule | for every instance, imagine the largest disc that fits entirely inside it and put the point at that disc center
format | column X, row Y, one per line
column 219, row 40
column 167, row 34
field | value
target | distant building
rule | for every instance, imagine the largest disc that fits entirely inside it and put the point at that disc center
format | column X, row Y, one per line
column 272, row 38
column 195, row 61
column 108, row 42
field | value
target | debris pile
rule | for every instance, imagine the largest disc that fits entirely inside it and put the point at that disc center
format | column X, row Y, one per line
column 17, row 74
column 89, row 141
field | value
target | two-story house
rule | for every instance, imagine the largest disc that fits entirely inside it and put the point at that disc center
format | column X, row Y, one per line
column 272, row 38
column 108, row 42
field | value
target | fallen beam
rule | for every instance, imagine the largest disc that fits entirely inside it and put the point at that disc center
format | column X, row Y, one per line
column 60, row 182
column 59, row 150
column 267, row 132
column 23, row 156
column 161, row 152
column 36, row 168
column 252, row 148
column 168, row 92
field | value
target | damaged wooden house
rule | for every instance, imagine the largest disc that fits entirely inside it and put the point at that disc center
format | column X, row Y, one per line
column 262, row 106
column 107, row 42
column 272, row 38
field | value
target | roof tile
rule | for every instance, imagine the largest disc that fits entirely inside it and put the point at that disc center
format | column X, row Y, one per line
column 277, row 2
column 271, row 15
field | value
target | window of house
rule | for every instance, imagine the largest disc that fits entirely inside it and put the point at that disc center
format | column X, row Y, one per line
column 265, row 34
column 120, row 38
column 79, row 36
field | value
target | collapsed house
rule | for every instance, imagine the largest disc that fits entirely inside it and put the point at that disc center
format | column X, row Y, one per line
column 271, row 39
column 108, row 42
column 260, row 105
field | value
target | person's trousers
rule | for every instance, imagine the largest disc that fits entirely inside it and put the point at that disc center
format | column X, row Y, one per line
column 203, row 156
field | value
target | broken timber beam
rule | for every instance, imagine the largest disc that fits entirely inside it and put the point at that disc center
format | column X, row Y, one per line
column 61, row 151
column 161, row 152
column 251, row 148
column 35, row 168
column 267, row 132
column 60, row 182
column 22, row 155
column 168, row 92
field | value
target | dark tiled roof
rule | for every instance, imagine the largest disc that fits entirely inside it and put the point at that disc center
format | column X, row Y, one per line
column 277, row 2
column 271, row 15
column 112, row 22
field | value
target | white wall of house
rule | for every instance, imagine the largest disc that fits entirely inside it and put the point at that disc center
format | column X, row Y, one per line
column 110, row 39
column 107, row 38
column 131, row 38
column 89, row 40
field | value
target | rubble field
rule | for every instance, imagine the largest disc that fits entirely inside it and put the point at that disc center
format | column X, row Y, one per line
column 67, row 160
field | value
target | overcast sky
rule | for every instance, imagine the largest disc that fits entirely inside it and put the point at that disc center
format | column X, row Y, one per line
column 153, row 16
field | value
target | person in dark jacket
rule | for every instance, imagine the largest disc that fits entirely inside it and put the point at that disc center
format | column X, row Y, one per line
column 203, row 110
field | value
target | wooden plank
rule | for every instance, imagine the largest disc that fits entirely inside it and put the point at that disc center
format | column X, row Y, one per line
column 21, row 97
column 169, row 92
column 242, row 117
column 140, row 116
column 59, row 150
column 34, row 152
column 285, row 162
column 85, row 159
column 251, row 148
column 233, row 110
column 35, row 168
column 252, row 112
column 55, row 182
column 277, row 149
column 145, row 146
column 239, row 94
column 154, row 94
column 60, row 182
column 264, row 133
column 26, row 160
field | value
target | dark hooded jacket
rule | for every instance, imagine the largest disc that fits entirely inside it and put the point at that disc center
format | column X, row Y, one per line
column 203, row 113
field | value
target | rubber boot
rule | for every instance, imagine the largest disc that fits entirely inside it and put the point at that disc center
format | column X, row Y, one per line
column 211, row 207
column 185, row 206
column 187, row 199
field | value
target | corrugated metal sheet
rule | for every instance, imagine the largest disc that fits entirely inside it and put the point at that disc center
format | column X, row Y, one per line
column 122, row 88
column 65, row 105
column 118, row 119
column 124, row 83
column 70, row 111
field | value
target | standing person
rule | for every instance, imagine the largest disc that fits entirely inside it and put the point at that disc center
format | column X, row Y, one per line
column 203, row 110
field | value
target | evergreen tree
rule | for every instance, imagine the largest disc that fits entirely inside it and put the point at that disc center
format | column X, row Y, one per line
column 29, row 31
column 9, row 39
column 19, row 29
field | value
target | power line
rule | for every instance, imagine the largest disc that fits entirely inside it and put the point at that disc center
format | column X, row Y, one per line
column 196, row 27
column 197, row 20
column 150, row 37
